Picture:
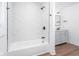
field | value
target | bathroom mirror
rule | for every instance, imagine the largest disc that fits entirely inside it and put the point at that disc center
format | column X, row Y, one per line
column 58, row 20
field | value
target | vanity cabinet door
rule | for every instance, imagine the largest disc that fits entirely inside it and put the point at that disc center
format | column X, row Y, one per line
column 61, row 37
column 57, row 37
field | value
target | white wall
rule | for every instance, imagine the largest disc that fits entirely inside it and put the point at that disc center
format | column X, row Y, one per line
column 26, row 21
column 3, row 33
column 71, row 14
column 62, row 5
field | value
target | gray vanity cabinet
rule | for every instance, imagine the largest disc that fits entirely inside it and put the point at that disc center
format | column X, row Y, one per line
column 61, row 36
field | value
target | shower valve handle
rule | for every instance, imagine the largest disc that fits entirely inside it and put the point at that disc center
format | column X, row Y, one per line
column 44, row 27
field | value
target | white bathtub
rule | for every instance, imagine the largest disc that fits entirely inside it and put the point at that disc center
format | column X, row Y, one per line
column 27, row 48
column 26, row 44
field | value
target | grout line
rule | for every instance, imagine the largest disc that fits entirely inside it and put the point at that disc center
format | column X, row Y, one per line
column 7, row 25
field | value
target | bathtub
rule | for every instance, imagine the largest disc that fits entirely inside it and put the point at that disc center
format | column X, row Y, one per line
column 28, row 48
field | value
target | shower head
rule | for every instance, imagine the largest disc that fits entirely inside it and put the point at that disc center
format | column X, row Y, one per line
column 42, row 7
